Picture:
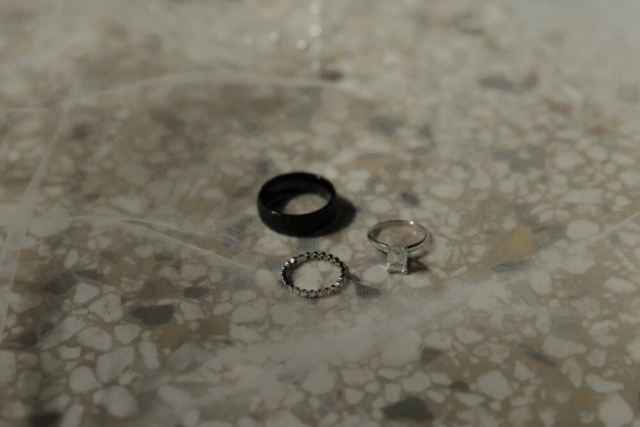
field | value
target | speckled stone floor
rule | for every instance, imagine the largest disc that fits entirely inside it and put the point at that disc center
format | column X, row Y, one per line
column 138, row 286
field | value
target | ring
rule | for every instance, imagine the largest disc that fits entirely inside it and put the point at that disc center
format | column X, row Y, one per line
column 397, row 256
column 329, row 290
column 278, row 190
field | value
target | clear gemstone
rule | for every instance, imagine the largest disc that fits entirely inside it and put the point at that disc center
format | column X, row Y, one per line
column 397, row 260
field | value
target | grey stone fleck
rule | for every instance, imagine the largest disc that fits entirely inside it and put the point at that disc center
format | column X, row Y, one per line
column 518, row 165
column 425, row 132
column 409, row 199
column 163, row 257
column 195, row 292
column 383, row 125
column 27, row 340
column 503, row 154
column 565, row 321
column 80, row 131
column 306, row 244
column 60, row 284
column 250, row 126
column 468, row 23
column 364, row 291
column 89, row 198
column 529, row 221
column 239, row 227
column 45, row 419
column 458, row 385
column 529, row 83
column 392, row 170
column 46, row 327
column 177, row 264
column 555, row 230
column 520, row 207
column 535, row 355
column 420, row 150
column 429, row 354
column 411, row 408
column 154, row 315
column 274, row 264
column 259, row 324
column 360, row 210
column 92, row 274
column 373, row 181
column 263, row 167
column 202, row 146
column 496, row 82
column 237, row 281
column 229, row 242
column 523, row 289
column 331, row 75
column 537, row 160
column 509, row 266
column 302, row 114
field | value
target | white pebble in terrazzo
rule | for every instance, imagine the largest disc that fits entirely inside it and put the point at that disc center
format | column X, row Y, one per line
column 149, row 354
column 354, row 344
column 633, row 347
column 109, row 308
column 540, row 281
column 451, row 190
column 615, row 284
column 281, row 419
column 582, row 228
column 111, row 365
column 353, row 396
column 494, row 384
column 320, row 380
column 191, row 311
column 95, row 338
column 143, row 251
column 601, row 385
column 632, row 179
column 439, row 340
column 416, row 383
column 283, row 314
column 118, row 401
column 127, row 332
column 470, row 399
column 375, row 274
column 71, row 259
column 82, row 379
column 558, row 347
column 357, row 377
column 84, row 293
column 614, row 411
column 401, row 348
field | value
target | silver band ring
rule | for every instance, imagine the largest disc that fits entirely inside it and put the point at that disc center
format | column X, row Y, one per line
column 397, row 256
column 306, row 293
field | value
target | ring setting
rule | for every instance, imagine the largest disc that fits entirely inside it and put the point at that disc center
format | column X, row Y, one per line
column 398, row 254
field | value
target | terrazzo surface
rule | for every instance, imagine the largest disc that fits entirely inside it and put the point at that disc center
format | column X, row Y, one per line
column 138, row 286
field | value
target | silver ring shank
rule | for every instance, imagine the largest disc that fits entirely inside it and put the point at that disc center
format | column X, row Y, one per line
column 384, row 247
column 329, row 290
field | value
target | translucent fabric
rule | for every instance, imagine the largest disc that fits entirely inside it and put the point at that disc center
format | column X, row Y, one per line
column 138, row 286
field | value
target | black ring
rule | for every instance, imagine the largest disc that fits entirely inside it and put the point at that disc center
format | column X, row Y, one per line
column 284, row 187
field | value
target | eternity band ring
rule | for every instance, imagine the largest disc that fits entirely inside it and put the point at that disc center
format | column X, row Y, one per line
column 307, row 293
column 398, row 253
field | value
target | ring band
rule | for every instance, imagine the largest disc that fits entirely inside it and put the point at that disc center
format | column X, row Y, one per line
column 284, row 187
column 329, row 290
column 397, row 256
